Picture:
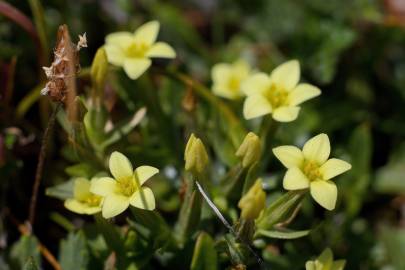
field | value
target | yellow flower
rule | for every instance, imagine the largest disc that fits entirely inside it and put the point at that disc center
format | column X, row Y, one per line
column 195, row 156
column 253, row 202
column 278, row 94
column 83, row 201
column 325, row 262
column 125, row 188
column 133, row 50
column 227, row 78
column 311, row 168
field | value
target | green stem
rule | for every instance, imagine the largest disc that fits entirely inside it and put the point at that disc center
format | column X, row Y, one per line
column 267, row 131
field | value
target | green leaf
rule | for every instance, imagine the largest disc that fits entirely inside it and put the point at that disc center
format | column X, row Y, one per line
column 358, row 178
column 73, row 252
column 284, row 234
column 62, row 191
column 122, row 130
column 30, row 264
column 153, row 227
column 111, row 235
column 280, row 209
column 190, row 214
column 26, row 247
column 204, row 256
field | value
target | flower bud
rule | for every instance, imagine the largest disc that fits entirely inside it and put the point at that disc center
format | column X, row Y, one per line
column 99, row 68
column 250, row 149
column 253, row 202
column 195, row 155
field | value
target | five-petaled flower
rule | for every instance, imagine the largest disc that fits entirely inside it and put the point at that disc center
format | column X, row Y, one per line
column 125, row 188
column 278, row 94
column 311, row 168
column 134, row 50
column 227, row 78
column 83, row 201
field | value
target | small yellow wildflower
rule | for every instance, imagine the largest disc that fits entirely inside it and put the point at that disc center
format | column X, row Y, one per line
column 227, row 79
column 125, row 188
column 311, row 168
column 250, row 150
column 278, row 94
column 83, row 201
column 325, row 262
column 253, row 202
column 195, row 155
column 133, row 50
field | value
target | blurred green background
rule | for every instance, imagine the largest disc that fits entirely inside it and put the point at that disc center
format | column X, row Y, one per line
column 354, row 50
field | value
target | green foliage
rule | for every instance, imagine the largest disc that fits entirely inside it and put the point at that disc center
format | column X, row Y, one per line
column 205, row 256
column 26, row 249
column 351, row 49
column 73, row 252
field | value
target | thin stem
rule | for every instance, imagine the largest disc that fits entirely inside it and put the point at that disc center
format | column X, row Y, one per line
column 267, row 131
column 40, row 164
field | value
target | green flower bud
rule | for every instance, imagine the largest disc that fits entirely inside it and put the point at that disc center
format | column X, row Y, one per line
column 195, row 155
column 250, row 150
column 99, row 68
column 253, row 202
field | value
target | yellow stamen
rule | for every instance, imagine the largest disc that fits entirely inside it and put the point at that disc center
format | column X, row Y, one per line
column 311, row 170
column 277, row 96
column 126, row 186
column 136, row 50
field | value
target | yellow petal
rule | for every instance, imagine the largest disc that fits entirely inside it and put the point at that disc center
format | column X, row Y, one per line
column 258, row 83
column 317, row 149
column 326, row 258
column 302, row 93
column 338, row 265
column 147, row 33
column 310, row 265
column 143, row 173
column 255, row 106
column 81, row 188
column 136, row 67
column 220, row 72
column 143, row 199
column 103, row 186
column 287, row 75
column 334, row 167
column 115, row 54
column 286, row 114
column 81, row 208
column 91, row 210
column 119, row 38
column 74, row 206
column 241, row 68
column 161, row 50
column 120, row 166
column 290, row 156
column 294, row 179
column 324, row 193
column 114, row 204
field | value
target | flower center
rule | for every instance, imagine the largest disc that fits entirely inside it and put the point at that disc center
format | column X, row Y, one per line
column 92, row 200
column 276, row 95
column 136, row 50
column 234, row 83
column 126, row 186
column 311, row 170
